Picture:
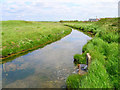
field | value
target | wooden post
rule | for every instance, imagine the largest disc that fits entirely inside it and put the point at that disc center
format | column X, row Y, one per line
column 88, row 59
column 79, row 69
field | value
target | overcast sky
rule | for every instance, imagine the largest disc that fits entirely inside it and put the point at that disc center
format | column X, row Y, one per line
column 55, row 10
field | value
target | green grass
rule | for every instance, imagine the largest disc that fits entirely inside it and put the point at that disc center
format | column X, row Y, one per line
column 103, row 48
column 23, row 35
column 78, row 58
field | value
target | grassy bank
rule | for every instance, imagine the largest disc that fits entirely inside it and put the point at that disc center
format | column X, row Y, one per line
column 103, row 48
column 21, row 36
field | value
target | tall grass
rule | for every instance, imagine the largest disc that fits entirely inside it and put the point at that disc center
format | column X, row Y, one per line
column 103, row 48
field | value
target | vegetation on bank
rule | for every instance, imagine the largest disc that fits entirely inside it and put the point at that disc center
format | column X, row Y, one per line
column 20, row 36
column 103, row 48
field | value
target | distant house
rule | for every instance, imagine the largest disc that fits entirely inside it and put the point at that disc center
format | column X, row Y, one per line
column 93, row 20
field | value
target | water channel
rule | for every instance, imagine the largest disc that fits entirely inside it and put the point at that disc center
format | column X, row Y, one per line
column 46, row 67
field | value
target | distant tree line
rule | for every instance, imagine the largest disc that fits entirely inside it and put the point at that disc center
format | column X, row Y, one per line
column 69, row 21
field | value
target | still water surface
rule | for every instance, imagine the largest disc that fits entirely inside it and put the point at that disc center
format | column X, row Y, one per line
column 47, row 67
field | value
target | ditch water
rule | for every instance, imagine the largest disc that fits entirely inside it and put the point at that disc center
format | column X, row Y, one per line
column 47, row 67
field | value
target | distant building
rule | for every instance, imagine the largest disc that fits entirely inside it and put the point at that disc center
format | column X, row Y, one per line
column 93, row 20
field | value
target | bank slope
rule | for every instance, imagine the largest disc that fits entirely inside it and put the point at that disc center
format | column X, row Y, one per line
column 103, row 48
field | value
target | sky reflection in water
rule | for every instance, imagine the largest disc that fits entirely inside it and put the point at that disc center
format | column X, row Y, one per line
column 47, row 67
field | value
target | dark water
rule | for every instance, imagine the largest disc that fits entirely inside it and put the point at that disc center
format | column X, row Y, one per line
column 46, row 67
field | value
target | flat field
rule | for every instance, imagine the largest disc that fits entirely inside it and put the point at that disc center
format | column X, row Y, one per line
column 18, row 36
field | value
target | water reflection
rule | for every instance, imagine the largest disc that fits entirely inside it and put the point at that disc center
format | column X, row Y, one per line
column 47, row 67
